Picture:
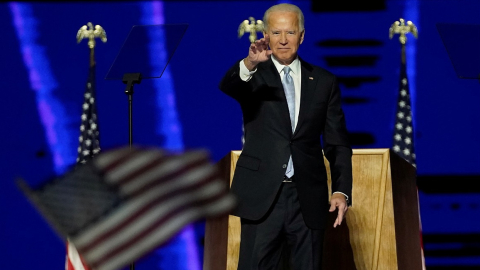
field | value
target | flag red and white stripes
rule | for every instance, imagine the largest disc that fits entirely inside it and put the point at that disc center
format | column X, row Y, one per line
column 162, row 194
column 73, row 260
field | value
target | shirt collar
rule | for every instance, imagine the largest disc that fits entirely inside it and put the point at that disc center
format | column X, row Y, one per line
column 294, row 66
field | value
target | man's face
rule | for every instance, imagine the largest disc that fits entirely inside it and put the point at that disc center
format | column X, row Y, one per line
column 285, row 36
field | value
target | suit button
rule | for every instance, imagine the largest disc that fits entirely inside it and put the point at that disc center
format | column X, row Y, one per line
column 291, row 142
column 284, row 166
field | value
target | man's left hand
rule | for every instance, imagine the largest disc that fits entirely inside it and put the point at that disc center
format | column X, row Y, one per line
column 338, row 201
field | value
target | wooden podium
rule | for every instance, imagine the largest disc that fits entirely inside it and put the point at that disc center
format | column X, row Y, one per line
column 381, row 231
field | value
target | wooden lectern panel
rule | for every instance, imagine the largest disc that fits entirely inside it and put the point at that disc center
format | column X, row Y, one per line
column 222, row 234
column 381, row 229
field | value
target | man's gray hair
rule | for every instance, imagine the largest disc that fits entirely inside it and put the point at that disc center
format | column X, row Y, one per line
column 285, row 8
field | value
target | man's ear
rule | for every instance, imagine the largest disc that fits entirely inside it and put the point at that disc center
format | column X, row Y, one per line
column 302, row 35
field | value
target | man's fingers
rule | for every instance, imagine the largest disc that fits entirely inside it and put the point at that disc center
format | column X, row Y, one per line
column 253, row 48
column 342, row 211
column 262, row 44
column 258, row 51
column 338, row 221
column 332, row 207
column 259, row 45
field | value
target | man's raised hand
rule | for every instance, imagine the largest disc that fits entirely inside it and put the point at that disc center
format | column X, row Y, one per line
column 257, row 53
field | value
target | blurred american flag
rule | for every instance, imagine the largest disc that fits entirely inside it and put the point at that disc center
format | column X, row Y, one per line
column 126, row 202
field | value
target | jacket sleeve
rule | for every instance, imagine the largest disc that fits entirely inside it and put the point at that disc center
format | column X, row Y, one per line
column 232, row 85
column 336, row 144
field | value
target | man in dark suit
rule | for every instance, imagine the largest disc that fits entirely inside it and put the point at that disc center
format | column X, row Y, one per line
column 280, row 178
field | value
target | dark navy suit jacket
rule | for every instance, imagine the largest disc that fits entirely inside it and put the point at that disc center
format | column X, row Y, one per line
column 269, row 141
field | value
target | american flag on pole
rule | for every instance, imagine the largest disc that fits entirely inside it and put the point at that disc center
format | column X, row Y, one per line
column 89, row 146
column 403, row 135
column 126, row 202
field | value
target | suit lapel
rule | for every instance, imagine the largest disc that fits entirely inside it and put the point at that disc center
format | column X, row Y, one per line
column 308, row 82
column 271, row 76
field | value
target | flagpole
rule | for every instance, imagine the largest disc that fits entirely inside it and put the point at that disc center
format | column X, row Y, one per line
column 404, row 135
column 89, row 143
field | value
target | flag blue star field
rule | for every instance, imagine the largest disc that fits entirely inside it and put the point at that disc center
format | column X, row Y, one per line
column 403, row 130
column 125, row 202
column 89, row 144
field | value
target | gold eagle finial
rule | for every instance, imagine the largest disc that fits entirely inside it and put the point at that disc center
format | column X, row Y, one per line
column 88, row 31
column 399, row 27
column 253, row 27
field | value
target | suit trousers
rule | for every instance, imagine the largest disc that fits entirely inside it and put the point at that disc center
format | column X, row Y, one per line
column 281, row 240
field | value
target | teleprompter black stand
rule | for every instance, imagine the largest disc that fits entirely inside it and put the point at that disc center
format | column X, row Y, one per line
column 462, row 42
column 130, row 79
column 145, row 54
